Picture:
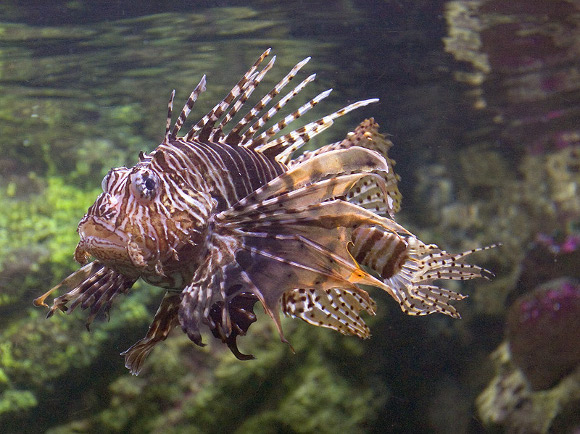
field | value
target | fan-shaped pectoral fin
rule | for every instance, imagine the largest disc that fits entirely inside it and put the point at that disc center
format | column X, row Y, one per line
column 328, row 165
column 277, row 266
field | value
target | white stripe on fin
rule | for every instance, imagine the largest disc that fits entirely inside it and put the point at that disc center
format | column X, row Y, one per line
column 234, row 134
column 248, row 90
column 413, row 287
column 272, row 131
column 284, row 146
column 203, row 128
column 186, row 108
column 169, row 114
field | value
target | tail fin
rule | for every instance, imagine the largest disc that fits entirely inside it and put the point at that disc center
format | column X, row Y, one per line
column 408, row 267
column 427, row 263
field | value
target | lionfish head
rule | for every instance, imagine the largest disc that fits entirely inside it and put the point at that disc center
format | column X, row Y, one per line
column 135, row 226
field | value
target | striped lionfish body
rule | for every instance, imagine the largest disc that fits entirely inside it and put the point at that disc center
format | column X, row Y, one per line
column 223, row 217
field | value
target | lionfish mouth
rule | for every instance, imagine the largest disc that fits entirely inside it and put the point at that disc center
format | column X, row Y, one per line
column 100, row 240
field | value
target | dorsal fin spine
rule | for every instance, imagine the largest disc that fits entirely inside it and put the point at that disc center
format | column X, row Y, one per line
column 260, row 141
column 255, row 111
column 169, row 114
column 187, row 107
column 248, row 90
column 289, row 143
column 203, row 128
column 247, row 137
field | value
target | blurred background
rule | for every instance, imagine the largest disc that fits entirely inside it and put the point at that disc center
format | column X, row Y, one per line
column 482, row 101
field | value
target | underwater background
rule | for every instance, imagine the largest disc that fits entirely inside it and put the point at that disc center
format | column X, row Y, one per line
column 482, row 101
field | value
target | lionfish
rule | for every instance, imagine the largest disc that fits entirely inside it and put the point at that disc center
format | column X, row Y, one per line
column 223, row 217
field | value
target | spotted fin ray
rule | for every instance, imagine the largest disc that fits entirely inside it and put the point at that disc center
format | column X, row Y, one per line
column 334, row 308
column 93, row 287
column 404, row 266
column 164, row 321
column 248, row 131
column 409, row 267
column 329, row 165
column 415, row 290
column 223, row 217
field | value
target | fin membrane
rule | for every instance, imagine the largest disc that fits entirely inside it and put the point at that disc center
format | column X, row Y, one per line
column 93, row 287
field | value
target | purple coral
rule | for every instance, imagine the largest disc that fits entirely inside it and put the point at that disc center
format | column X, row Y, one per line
column 570, row 244
column 543, row 329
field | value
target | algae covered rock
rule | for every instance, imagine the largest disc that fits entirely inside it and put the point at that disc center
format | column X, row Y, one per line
column 543, row 327
column 509, row 402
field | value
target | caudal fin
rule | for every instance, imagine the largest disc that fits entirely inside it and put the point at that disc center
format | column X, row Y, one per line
column 409, row 267
column 414, row 286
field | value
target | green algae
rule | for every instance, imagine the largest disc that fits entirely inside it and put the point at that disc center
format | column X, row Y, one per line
column 509, row 402
column 43, row 220
column 35, row 351
column 187, row 389
column 11, row 400
column 37, row 239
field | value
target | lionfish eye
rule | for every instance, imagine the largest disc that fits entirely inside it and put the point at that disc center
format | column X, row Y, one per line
column 149, row 183
column 144, row 183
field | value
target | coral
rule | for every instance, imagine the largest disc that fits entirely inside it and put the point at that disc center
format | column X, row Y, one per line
column 479, row 204
column 536, row 388
column 508, row 401
column 543, row 328
column 492, row 200
column 537, row 266
column 563, row 176
column 550, row 187
column 70, row 115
